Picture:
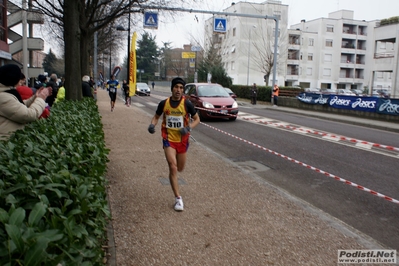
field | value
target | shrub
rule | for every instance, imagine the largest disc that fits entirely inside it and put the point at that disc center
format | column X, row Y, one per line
column 53, row 207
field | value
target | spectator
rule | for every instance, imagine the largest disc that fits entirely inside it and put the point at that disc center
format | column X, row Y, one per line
column 40, row 82
column 14, row 112
column 254, row 93
column 52, row 83
column 153, row 85
column 275, row 93
column 61, row 91
column 125, row 87
column 24, row 90
column 27, row 92
column 86, row 88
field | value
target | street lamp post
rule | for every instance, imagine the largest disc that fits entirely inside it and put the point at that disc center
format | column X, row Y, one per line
column 249, row 52
column 128, row 44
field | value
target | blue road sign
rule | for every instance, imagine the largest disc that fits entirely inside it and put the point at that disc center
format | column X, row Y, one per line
column 219, row 25
column 151, row 20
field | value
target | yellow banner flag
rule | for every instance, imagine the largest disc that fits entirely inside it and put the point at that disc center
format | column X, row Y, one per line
column 133, row 66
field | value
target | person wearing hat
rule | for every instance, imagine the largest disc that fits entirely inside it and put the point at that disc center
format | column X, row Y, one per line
column 15, row 112
column 176, row 127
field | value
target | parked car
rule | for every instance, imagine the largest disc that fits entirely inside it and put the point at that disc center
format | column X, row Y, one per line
column 357, row 92
column 345, row 92
column 384, row 93
column 231, row 93
column 143, row 89
column 312, row 90
column 211, row 101
column 327, row 91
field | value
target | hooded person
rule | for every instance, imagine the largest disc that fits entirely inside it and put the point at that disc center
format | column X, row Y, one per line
column 15, row 112
column 24, row 90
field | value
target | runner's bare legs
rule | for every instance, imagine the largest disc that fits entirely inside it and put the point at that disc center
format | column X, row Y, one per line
column 176, row 164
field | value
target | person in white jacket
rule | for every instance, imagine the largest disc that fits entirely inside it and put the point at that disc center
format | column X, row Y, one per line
column 14, row 112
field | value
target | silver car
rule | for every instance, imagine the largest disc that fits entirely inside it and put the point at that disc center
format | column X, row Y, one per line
column 142, row 89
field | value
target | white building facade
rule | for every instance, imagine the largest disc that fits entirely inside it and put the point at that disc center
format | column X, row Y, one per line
column 248, row 43
column 337, row 52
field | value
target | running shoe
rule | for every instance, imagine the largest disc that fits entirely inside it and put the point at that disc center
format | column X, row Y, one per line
column 179, row 204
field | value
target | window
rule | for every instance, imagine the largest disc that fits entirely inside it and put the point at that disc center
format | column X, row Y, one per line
column 326, row 72
column 310, row 57
column 311, row 42
column 309, row 71
column 329, row 43
column 232, row 65
column 330, row 28
column 327, row 57
column 234, row 32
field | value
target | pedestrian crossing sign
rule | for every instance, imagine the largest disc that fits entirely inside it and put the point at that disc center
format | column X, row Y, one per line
column 219, row 25
column 151, row 20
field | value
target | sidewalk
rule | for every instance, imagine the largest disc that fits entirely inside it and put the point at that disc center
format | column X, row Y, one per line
column 231, row 216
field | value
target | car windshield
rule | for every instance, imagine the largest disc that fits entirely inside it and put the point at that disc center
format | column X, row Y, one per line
column 212, row 91
column 142, row 85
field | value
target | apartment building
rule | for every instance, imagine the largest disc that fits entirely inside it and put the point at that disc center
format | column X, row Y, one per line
column 180, row 62
column 385, row 58
column 248, row 44
column 23, row 50
column 337, row 52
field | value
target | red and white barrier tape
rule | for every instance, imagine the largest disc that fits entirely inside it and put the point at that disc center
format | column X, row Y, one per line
column 214, row 111
column 309, row 166
column 324, row 134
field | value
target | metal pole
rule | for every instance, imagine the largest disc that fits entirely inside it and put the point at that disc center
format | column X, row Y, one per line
column 95, row 71
column 128, row 48
column 110, row 58
column 25, row 53
column 274, row 57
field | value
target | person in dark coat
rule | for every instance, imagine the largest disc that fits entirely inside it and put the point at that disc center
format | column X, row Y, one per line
column 86, row 88
column 254, row 93
column 53, row 84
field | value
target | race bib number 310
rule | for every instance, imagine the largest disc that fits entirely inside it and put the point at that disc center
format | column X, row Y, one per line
column 174, row 121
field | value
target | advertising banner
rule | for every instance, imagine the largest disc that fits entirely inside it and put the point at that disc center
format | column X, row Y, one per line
column 133, row 66
column 366, row 104
column 388, row 106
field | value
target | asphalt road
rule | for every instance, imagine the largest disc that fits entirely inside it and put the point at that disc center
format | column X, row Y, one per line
column 375, row 169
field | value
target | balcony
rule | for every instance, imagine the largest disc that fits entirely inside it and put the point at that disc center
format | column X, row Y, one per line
column 33, row 44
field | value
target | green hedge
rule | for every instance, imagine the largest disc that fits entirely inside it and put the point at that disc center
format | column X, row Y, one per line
column 264, row 92
column 53, row 207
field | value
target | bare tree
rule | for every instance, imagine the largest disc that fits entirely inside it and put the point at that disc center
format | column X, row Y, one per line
column 263, row 43
column 79, row 20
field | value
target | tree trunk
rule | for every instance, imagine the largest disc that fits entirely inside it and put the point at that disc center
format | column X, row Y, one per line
column 72, row 36
column 84, row 53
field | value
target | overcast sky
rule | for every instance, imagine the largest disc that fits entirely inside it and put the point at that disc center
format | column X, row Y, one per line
column 179, row 32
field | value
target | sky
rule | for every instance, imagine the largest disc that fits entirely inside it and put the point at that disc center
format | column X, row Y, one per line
column 180, row 31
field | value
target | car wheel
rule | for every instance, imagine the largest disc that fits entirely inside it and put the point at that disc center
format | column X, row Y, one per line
column 232, row 118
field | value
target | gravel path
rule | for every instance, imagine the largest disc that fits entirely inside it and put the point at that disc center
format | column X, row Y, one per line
column 231, row 217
